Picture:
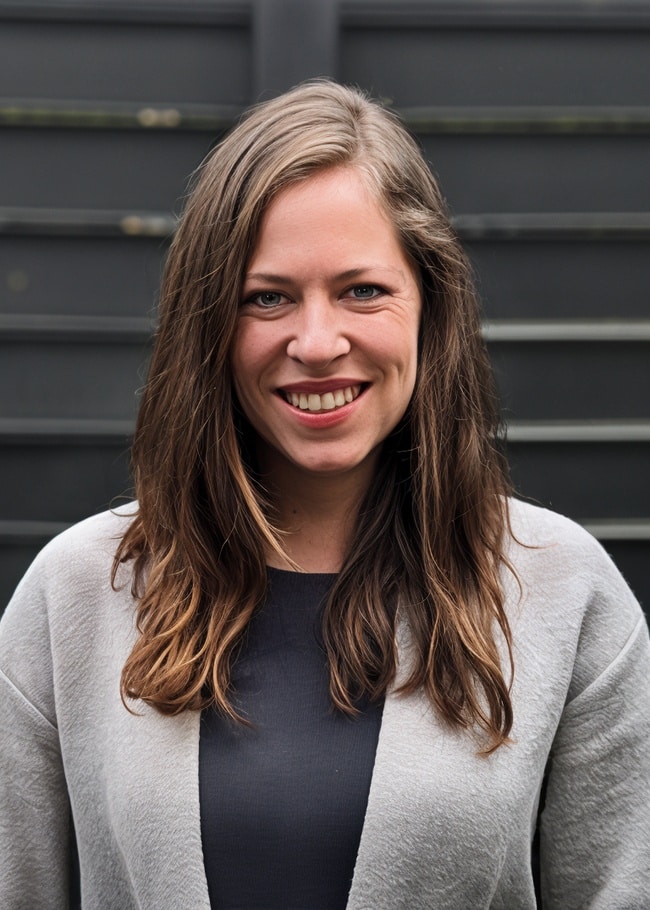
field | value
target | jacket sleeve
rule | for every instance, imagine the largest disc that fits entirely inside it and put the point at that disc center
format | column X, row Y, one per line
column 35, row 824
column 595, row 825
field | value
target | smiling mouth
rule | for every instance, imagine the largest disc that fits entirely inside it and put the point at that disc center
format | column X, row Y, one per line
column 328, row 401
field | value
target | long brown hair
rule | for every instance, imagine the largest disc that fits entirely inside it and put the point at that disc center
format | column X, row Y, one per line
column 427, row 549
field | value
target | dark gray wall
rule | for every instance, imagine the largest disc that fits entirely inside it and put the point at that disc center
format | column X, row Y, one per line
column 535, row 116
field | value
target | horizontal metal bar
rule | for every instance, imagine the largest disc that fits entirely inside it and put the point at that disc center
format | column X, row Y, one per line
column 41, row 430
column 472, row 14
column 46, row 430
column 618, row 529
column 500, row 226
column 527, row 120
column 98, row 115
column 148, row 12
column 46, row 327
column 23, row 532
column 78, row 114
column 353, row 13
column 36, row 327
column 589, row 226
column 29, row 532
column 466, row 14
column 82, row 222
column 567, row 330
column 578, row 431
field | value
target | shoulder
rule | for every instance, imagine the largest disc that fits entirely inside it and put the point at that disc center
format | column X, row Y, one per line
column 65, row 614
column 68, row 590
column 568, row 596
column 538, row 527
column 542, row 541
column 82, row 554
column 94, row 534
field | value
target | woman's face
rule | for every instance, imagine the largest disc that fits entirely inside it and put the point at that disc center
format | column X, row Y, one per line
column 325, row 355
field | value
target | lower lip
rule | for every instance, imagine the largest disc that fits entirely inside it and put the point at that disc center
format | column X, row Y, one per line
column 320, row 420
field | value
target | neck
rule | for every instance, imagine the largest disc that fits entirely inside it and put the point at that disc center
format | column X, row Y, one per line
column 317, row 514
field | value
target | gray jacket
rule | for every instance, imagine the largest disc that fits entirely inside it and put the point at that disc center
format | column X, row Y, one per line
column 445, row 828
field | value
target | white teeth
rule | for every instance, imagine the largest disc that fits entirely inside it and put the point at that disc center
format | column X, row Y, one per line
column 326, row 402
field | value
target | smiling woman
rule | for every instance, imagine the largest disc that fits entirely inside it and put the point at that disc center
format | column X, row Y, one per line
column 336, row 664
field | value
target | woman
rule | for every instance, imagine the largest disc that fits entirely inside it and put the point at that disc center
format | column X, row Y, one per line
column 334, row 666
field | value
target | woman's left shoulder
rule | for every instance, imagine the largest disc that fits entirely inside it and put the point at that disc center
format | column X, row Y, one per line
column 538, row 527
column 552, row 546
column 567, row 591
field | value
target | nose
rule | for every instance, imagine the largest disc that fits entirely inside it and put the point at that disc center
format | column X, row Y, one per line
column 318, row 337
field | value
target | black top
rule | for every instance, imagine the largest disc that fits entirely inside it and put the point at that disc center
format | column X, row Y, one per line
column 283, row 802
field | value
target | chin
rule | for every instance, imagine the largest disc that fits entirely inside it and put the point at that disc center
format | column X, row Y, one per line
column 328, row 467
column 335, row 467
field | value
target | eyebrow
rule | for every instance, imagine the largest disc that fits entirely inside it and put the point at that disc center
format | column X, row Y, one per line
column 341, row 276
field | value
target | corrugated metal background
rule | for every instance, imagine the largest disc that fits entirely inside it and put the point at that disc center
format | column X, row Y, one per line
column 535, row 116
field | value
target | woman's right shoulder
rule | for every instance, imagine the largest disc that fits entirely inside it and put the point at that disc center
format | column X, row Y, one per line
column 86, row 545
column 78, row 561
column 97, row 533
column 66, row 613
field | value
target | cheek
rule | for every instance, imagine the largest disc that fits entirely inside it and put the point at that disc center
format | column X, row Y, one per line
column 256, row 345
column 411, row 359
column 246, row 356
column 398, row 349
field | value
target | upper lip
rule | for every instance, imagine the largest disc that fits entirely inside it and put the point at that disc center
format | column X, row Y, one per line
column 319, row 386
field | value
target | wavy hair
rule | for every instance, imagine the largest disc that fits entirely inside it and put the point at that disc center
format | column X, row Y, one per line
column 428, row 545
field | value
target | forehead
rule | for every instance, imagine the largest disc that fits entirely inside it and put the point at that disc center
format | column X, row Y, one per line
column 337, row 180
column 333, row 205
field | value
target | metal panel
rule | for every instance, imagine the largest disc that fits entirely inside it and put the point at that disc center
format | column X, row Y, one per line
column 562, row 279
column 116, row 60
column 98, row 276
column 585, row 480
column 89, row 379
column 565, row 379
column 65, row 480
column 98, row 169
column 542, row 173
column 486, row 62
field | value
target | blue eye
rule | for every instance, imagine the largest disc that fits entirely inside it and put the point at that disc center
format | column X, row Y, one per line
column 266, row 299
column 365, row 291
